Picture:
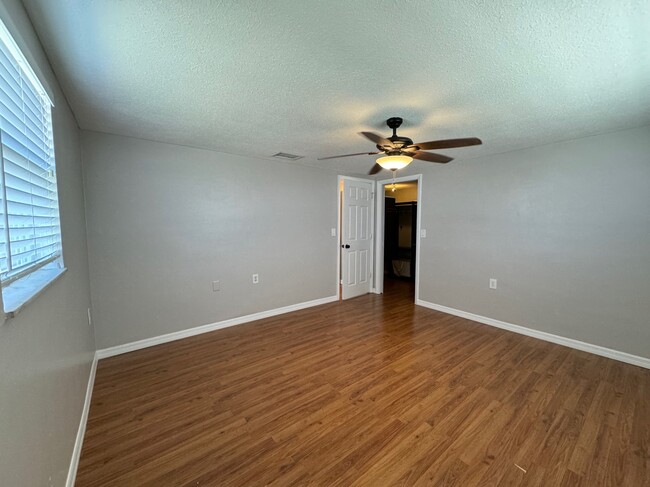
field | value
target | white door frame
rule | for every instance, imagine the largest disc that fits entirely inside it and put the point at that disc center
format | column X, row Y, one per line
column 371, row 225
column 379, row 240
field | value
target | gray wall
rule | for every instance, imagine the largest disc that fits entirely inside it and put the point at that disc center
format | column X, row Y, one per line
column 46, row 351
column 565, row 228
column 164, row 221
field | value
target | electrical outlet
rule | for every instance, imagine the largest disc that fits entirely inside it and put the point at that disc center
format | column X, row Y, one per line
column 216, row 286
column 493, row 283
column 423, row 233
column 256, row 278
column 90, row 318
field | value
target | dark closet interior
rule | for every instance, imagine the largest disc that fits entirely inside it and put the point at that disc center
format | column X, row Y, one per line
column 399, row 238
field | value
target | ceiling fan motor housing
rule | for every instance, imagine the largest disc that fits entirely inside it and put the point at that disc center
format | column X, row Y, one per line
column 394, row 122
column 398, row 142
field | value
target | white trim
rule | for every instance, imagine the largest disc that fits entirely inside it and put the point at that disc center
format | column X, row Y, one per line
column 76, row 451
column 379, row 241
column 179, row 335
column 549, row 337
column 28, row 288
column 352, row 178
column 339, row 280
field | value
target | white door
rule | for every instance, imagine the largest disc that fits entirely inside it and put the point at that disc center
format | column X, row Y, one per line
column 356, row 238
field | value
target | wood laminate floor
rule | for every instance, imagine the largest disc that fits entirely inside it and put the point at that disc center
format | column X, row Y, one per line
column 374, row 391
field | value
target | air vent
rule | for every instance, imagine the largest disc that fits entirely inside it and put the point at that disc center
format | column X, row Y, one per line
column 287, row 157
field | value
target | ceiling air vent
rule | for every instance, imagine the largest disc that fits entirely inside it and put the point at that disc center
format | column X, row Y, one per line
column 287, row 157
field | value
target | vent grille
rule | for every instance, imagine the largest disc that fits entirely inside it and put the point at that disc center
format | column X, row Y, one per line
column 285, row 156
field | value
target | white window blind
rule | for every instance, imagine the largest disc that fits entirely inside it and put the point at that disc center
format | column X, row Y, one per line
column 30, row 234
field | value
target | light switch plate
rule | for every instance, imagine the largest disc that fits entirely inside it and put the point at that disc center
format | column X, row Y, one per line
column 423, row 233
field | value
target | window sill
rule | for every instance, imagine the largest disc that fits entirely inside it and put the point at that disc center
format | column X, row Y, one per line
column 20, row 293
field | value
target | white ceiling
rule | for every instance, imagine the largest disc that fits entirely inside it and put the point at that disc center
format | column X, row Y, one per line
column 256, row 78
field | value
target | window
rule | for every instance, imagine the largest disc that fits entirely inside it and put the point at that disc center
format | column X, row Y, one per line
column 30, row 234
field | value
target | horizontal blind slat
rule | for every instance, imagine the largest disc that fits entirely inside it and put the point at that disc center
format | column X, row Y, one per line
column 17, row 237
column 38, row 237
column 33, row 98
column 28, row 139
column 21, row 209
column 9, row 83
column 18, row 226
column 20, row 188
column 21, row 110
column 12, row 105
column 7, row 62
column 41, row 225
column 30, row 250
column 17, row 164
column 39, row 157
column 19, row 185
column 22, row 266
column 24, row 196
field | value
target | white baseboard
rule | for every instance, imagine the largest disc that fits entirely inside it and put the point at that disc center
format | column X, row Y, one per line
column 549, row 337
column 179, row 335
column 76, row 451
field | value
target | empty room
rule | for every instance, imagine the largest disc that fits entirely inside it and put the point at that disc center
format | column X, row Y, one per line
column 370, row 243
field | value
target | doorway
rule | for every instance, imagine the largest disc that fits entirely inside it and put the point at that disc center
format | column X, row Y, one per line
column 398, row 235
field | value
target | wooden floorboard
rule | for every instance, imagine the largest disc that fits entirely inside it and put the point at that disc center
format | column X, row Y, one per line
column 373, row 391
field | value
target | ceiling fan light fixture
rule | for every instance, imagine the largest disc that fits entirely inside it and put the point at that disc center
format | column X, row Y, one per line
column 393, row 163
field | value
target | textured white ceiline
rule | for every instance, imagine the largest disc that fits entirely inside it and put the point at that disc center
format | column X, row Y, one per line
column 256, row 78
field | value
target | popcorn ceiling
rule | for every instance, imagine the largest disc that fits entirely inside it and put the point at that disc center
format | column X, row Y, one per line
column 255, row 78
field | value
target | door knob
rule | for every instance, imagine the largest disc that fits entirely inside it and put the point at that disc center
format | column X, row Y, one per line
column 346, row 246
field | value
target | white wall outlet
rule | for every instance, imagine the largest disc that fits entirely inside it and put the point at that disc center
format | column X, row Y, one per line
column 90, row 318
column 256, row 278
column 333, row 232
column 423, row 233
column 216, row 286
column 493, row 283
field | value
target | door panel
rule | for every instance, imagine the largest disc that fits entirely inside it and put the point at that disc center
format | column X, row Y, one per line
column 352, row 268
column 363, row 266
column 356, row 251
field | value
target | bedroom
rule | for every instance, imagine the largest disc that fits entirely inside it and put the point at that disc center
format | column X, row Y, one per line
column 165, row 119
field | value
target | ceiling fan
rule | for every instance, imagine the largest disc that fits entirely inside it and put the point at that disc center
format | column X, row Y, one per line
column 400, row 151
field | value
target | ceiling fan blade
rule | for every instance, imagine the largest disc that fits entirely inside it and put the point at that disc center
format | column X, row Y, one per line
column 447, row 144
column 348, row 155
column 377, row 139
column 431, row 157
column 375, row 169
